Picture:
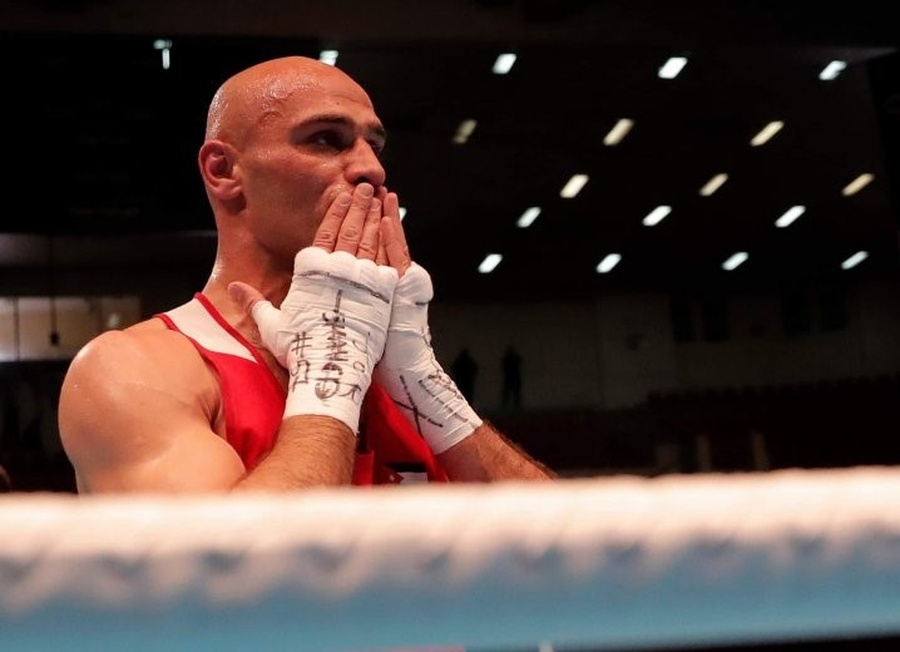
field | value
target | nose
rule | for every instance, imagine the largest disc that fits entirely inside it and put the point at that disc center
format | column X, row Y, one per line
column 364, row 165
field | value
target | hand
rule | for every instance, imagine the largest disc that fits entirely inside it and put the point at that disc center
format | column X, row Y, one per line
column 408, row 370
column 332, row 325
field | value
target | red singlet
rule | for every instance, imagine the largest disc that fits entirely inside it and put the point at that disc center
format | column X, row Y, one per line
column 390, row 450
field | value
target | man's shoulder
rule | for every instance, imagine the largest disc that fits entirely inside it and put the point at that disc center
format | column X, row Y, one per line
column 145, row 342
column 148, row 332
column 151, row 325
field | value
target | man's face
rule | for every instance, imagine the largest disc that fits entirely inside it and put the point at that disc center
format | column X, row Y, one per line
column 320, row 138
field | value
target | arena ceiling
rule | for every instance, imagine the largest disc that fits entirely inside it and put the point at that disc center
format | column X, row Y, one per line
column 100, row 139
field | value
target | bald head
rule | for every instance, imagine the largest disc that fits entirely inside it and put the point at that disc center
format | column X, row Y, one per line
column 283, row 138
column 255, row 94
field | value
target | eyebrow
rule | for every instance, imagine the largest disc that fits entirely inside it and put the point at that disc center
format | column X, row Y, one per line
column 376, row 129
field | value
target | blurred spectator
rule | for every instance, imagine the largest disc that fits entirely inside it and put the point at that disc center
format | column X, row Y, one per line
column 512, row 378
column 464, row 370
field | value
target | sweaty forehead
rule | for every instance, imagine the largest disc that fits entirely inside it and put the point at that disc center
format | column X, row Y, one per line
column 322, row 86
column 286, row 90
column 298, row 95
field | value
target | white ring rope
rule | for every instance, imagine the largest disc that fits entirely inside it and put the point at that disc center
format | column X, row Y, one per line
column 605, row 562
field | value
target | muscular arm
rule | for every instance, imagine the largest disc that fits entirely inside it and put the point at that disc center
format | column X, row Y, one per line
column 138, row 411
column 467, row 448
column 327, row 445
column 487, row 456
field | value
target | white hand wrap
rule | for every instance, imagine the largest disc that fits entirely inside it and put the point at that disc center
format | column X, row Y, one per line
column 412, row 375
column 329, row 332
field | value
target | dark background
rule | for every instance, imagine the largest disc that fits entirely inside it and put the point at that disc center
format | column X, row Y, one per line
column 102, row 193
column 100, row 141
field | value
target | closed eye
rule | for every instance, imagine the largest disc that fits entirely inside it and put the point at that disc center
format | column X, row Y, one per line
column 332, row 139
column 337, row 140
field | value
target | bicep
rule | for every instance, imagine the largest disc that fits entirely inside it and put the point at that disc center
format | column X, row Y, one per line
column 128, row 425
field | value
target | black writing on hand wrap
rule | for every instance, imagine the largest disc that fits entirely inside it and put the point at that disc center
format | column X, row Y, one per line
column 415, row 412
column 300, row 369
column 346, row 281
column 438, row 380
column 330, row 336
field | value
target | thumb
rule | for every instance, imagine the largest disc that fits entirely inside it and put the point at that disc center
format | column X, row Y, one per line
column 244, row 294
column 261, row 310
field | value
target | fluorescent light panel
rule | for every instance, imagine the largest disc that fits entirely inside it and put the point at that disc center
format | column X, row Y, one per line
column 713, row 184
column 465, row 129
column 573, row 186
column 609, row 261
column 504, row 63
column 767, row 133
column 855, row 259
column 735, row 260
column 672, row 67
column 789, row 216
column 489, row 263
column 656, row 216
column 528, row 217
column 165, row 48
column 857, row 184
column 328, row 56
column 618, row 132
column 832, row 70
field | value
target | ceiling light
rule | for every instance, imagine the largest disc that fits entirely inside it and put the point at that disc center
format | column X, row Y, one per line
column 656, row 215
column 465, row 129
column 528, row 217
column 832, row 70
column 617, row 133
column 855, row 259
column 713, row 184
column 165, row 47
column 767, row 132
column 574, row 186
column 489, row 263
column 735, row 260
column 328, row 56
column 789, row 216
column 610, row 261
column 857, row 184
column 672, row 67
column 504, row 63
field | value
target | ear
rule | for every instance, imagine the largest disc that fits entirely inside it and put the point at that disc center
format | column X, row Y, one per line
column 216, row 160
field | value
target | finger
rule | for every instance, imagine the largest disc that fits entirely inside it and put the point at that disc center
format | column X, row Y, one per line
column 350, row 234
column 392, row 234
column 381, row 258
column 327, row 233
column 244, row 294
column 392, row 208
column 394, row 251
column 381, row 255
column 260, row 309
column 368, row 242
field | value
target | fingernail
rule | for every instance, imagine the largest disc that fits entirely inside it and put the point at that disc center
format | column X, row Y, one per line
column 343, row 199
column 366, row 190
